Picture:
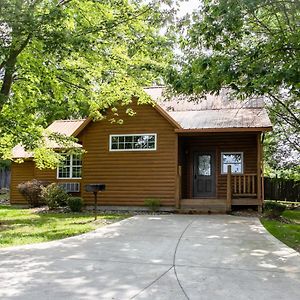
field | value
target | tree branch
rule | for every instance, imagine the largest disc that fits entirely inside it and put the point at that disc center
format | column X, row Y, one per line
column 107, row 28
column 72, row 84
column 286, row 107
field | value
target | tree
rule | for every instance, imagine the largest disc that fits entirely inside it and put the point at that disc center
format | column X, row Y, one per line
column 252, row 48
column 73, row 58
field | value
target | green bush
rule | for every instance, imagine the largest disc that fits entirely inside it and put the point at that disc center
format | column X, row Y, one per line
column 152, row 203
column 54, row 195
column 273, row 209
column 75, row 204
column 31, row 190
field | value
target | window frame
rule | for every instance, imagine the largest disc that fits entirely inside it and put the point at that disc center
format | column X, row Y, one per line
column 242, row 162
column 71, row 168
column 133, row 135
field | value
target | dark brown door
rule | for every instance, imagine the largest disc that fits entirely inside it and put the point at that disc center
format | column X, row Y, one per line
column 204, row 181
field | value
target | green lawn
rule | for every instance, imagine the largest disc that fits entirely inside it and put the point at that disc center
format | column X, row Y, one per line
column 25, row 226
column 287, row 233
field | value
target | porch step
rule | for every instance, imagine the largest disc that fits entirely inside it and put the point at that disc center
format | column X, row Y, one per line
column 203, row 205
column 245, row 201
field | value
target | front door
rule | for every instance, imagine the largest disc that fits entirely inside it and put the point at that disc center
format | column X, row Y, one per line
column 204, row 182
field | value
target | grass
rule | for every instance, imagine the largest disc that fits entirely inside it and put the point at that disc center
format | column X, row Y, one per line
column 287, row 233
column 27, row 226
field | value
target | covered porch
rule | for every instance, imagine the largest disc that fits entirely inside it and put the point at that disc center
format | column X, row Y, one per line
column 219, row 170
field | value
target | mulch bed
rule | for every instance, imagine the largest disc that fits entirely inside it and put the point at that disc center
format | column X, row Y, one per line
column 247, row 213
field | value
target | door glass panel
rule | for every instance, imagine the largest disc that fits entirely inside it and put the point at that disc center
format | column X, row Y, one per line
column 204, row 165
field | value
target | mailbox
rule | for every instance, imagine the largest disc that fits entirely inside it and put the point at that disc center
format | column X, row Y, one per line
column 95, row 187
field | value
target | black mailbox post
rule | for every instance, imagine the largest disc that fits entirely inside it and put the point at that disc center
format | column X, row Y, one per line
column 95, row 188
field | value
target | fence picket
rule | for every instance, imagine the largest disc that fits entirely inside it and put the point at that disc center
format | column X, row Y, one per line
column 4, row 178
column 281, row 189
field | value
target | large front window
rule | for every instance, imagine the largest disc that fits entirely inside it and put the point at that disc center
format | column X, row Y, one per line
column 132, row 142
column 70, row 167
column 233, row 159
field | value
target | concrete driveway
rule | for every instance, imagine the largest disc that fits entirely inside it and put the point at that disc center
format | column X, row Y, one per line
column 156, row 257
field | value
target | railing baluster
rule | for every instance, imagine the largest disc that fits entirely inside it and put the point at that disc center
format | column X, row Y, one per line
column 234, row 183
column 248, row 186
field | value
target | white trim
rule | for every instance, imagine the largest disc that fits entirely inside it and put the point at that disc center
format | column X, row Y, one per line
column 71, row 169
column 132, row 150
column 233, row 152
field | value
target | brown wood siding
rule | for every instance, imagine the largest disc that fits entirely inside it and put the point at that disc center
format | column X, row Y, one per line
column 27, row 171
column 20, row 173
column 226, row 142
column 131, row 176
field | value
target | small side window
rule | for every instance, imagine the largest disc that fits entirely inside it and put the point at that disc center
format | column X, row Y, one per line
column 233, row 159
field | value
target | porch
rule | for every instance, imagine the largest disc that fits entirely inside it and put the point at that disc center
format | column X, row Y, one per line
column 219, row 171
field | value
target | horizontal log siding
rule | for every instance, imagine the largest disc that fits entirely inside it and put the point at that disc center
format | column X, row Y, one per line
column 27, row 171
column 131, row 176
column 20, row 173
column 226, row 142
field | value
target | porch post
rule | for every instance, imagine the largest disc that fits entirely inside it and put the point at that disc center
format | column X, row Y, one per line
column 229, row 190
column 178, row 187
column 259, row 173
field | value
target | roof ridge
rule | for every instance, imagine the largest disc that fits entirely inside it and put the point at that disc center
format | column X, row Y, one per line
column 206, row 109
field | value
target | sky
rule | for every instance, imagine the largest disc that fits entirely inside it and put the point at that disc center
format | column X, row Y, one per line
column 188, row 6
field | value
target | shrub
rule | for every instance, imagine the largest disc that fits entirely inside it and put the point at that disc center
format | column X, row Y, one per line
column 54, row 195
column 31, row 190
column 273, row 209
column 152, row 203
column 75, row 204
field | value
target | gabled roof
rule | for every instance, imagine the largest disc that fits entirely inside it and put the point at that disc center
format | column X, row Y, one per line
column 66, row 127
column 215, row 113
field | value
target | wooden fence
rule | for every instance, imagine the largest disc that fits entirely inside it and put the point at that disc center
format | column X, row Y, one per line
column 4, row 178
column 281, row 189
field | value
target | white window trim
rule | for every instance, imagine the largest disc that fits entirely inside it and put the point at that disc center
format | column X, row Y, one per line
column 71, row 170
column 132, row 150
column 242, row 158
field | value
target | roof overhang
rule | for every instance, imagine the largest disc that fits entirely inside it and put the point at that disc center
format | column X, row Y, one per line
column 82, row 126
column 233, row 129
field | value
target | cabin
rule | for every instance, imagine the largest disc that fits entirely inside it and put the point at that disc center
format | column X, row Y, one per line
column 191, row 154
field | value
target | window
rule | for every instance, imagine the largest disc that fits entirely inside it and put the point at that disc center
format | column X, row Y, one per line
column 132, row 142
column 233, row 159
column 204, row 165
column 70, row 167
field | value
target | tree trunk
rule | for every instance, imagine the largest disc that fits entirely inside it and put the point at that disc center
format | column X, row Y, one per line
column 7, row 81
column 9, row 67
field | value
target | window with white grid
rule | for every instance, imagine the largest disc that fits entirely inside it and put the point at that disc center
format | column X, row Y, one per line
column 133, row 142
column 70, row 167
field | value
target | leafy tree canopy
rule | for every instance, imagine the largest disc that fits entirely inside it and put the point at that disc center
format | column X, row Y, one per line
column 251, row 47
column 74, row 58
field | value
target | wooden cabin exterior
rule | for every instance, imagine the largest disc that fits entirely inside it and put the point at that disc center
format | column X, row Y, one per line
column 156, row 154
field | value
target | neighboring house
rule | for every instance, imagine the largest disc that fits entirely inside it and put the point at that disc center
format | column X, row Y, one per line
column 177, row 151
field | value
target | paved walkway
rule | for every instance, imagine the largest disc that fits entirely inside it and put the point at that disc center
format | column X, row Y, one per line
column 156, row 257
